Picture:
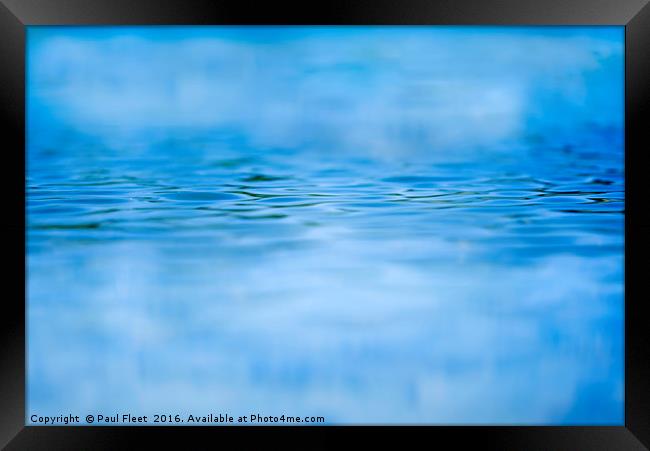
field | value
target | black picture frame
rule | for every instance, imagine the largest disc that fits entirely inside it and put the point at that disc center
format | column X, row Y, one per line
column 15, row 15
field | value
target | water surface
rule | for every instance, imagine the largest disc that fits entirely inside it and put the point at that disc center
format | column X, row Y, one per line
column 360, row 239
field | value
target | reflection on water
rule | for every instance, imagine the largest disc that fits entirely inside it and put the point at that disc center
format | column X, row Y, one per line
column 289, row 268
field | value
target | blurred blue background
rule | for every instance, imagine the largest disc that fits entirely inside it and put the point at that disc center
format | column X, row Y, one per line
column 371, row 224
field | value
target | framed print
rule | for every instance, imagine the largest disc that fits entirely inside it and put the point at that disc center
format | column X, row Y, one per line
column 231, row 219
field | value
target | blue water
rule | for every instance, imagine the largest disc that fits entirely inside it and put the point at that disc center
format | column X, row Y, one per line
column 374, row 225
